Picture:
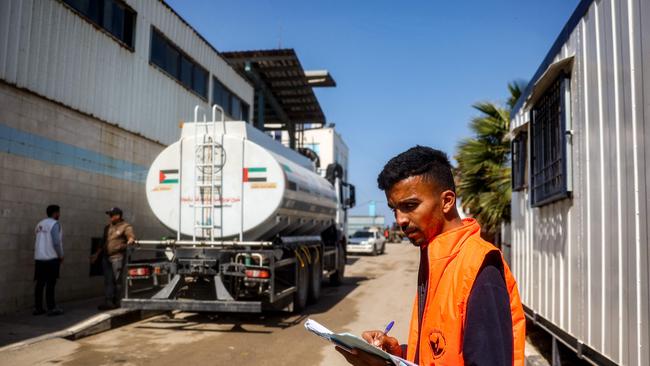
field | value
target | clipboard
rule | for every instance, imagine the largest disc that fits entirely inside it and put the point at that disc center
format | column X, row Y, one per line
column 349, row 342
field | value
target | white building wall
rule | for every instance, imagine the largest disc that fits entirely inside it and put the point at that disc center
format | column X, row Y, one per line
column 48, row 49
column 582, row 262
column 331, row 147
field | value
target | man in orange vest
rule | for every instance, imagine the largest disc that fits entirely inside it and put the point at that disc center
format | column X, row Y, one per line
column 467, row 308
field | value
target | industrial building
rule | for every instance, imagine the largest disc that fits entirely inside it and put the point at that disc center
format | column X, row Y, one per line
column 580, row 152
column 90, row 93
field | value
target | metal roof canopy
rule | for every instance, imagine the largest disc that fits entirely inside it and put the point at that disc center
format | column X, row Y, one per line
column 288, row 96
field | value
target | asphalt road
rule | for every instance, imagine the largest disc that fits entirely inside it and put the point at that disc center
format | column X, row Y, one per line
column 376, row 290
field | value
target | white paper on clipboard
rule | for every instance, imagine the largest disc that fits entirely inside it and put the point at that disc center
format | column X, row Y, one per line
column 348, row 341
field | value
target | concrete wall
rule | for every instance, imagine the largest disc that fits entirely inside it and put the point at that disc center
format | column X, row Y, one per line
column 50, row 154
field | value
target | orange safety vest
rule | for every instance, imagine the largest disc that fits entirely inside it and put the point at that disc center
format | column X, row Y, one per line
column 455, row 258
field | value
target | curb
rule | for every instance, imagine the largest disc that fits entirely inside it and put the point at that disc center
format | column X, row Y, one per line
column 93, row 325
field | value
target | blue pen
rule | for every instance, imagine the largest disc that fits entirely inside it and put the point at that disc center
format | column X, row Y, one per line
column 389, row 327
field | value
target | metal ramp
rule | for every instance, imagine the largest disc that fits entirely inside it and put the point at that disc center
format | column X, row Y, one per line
column 209, row 160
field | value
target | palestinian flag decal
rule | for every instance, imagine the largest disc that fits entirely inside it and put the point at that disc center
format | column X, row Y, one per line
column 254, row 174
column 168, row 176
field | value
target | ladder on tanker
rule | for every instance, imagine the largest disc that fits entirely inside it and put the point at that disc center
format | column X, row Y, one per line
column 209, row 160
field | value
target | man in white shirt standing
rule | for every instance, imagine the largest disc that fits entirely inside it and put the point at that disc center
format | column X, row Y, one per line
column 48, row 256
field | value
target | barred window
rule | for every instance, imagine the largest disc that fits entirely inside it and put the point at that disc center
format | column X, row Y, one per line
column 548, row 144
column 519, row 161
column 177, row 64
column 112, row 16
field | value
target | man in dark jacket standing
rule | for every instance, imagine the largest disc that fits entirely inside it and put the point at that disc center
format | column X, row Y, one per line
column 117, row 235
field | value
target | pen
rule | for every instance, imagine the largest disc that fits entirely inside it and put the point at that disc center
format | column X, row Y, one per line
column 389, row 327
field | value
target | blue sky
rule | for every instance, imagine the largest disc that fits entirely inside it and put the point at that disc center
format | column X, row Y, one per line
column 407, row 72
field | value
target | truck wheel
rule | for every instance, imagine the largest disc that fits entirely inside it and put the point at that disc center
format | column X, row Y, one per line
column 315, row 281
column 302, row 287
column 383, row 248
column 336, row 278
column 374, row 250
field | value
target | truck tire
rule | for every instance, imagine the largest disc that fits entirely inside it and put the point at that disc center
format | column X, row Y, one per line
column 374, row 250
column 383, row 248
column 315, row 281
column 302, row 288
column 336, row 278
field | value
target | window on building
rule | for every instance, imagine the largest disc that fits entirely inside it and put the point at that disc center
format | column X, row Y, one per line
column 235, row 107
column 548, row 144
column 171, row 59
column 186, row 71
column 245, row 112
column 200, row 81
column 113, row 16
column 231, row 103
column 519, row 161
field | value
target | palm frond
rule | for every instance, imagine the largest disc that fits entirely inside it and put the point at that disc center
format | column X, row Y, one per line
column 483, row 171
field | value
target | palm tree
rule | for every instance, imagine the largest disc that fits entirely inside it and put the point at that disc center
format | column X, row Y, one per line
column 483, row 172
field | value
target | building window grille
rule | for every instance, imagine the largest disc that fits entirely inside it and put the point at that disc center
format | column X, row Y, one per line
column 112, row 16
column 519, row 161
column 177, row 64
column 548, row 144
column 234, row 106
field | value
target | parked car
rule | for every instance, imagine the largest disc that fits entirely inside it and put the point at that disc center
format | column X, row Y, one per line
column 367, row 241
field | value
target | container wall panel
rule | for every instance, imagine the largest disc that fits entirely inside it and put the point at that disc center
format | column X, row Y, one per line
column 50, row 50
column 582, row 262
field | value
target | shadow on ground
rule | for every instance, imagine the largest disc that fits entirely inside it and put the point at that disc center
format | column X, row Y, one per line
column 543, row 341
column 19, row 326
column 235, row 322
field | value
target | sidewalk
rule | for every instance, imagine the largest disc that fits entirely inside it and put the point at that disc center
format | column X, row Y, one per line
column 16, row 327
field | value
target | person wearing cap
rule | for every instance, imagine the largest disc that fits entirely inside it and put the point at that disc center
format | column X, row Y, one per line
column 117, row 235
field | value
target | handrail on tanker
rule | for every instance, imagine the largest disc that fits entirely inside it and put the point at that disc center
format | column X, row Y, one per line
column 216, row 108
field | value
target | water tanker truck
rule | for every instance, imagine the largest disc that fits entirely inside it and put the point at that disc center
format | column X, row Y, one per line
column 255, row 227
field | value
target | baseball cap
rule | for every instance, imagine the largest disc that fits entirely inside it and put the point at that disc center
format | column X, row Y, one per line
column 114, row 211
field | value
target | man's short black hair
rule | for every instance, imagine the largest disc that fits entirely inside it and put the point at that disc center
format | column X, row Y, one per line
column 52, row 209
column 419, row 160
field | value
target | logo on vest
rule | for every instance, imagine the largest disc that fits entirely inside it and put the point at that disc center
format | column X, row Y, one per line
column 438, row 343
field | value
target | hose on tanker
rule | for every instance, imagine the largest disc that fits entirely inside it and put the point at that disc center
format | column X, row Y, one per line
column 333, row 171
column 299, row 257
column 307, row 254
column 317, row 256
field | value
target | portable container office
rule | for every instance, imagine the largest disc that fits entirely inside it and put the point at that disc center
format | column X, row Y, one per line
column 581, row 147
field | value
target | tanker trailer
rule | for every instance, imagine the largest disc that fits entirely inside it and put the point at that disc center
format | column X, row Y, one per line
column 255, row 226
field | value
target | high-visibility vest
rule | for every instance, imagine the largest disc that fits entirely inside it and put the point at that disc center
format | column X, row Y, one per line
column 455, row 259
column 44, row 247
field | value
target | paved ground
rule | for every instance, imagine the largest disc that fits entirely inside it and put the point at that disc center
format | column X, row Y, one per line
column 23, row 325
column 376, row 290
